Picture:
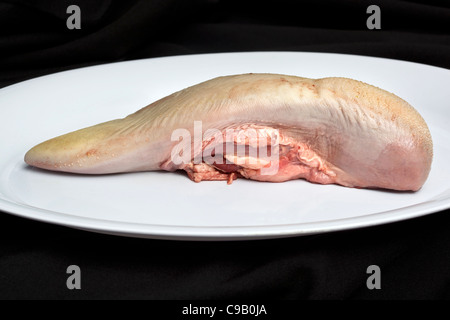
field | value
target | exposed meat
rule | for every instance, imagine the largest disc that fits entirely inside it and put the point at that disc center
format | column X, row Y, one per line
column 264, row 127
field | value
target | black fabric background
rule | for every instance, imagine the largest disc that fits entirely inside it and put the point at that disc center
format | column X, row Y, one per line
column 414, row 255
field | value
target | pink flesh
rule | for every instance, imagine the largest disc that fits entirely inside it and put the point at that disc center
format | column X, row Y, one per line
column 295, row 160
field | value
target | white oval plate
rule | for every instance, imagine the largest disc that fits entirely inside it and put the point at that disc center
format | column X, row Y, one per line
column 169, row 205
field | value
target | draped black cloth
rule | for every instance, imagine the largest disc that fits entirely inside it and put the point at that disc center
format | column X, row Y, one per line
column 413, row 255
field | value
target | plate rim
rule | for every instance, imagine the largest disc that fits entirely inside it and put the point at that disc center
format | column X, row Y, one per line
column 105, row 64
column 141, row 230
